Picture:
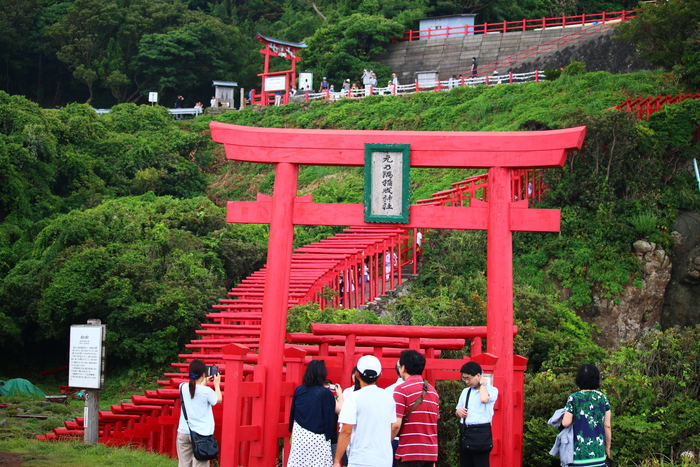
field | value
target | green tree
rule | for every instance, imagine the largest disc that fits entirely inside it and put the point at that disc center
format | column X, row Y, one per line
column 149, row 267
column 186, row 56
column 666, row 34
column 344, row 48
column 17, row 19
column 82, row 37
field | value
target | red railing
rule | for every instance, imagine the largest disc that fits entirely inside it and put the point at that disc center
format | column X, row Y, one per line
column 521, row 25
column 645, row 106
column 525, row 184
column 558, row 42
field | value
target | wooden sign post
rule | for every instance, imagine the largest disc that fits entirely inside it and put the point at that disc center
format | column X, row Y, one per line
column 86, row 371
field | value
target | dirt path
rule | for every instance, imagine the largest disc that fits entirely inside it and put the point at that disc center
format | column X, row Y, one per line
column 10, row 459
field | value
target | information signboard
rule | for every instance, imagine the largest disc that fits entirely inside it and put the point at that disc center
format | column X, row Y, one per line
column 275, row 83
column 86, row 355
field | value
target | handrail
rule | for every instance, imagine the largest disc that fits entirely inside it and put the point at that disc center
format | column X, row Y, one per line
column 525, row 184
column 521, row 25
column 644, row 107
column 404, row 89
column 194, row 111
column 541, row 48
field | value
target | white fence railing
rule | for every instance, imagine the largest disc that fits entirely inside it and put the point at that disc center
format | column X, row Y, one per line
column 425, row 85
column 193, row 111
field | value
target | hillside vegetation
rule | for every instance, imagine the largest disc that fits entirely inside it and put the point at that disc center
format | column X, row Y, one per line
column 121, row 218
column 111, row 52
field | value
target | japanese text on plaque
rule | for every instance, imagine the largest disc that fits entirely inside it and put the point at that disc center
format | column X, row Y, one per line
column 387, row 183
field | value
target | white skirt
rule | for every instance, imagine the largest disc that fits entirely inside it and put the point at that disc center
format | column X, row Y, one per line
column 309, row 449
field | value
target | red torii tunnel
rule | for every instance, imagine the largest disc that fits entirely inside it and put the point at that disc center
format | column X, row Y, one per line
column 499, row 152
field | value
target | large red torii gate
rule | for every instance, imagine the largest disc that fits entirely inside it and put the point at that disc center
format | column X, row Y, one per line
column 499, row 152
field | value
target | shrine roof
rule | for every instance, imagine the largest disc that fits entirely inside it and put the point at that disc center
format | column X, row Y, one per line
column 230, row 84
column 298, row 45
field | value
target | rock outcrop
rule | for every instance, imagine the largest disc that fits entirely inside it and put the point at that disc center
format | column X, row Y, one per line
column 637, row 309
column 682, row 305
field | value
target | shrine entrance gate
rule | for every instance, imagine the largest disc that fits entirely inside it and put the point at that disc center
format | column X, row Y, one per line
column 500, row 215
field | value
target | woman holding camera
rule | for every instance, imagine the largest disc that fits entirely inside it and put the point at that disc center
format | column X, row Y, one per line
column 198, row 399
column 312, row 419
column 589, row 411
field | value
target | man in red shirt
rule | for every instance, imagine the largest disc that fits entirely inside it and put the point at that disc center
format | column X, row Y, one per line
column 418, row 438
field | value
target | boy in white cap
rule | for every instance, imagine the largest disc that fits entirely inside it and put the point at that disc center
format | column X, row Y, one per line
column 367, row 416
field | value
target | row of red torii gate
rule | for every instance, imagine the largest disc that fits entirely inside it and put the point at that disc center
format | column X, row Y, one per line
column 261, row 364
column 250, row 435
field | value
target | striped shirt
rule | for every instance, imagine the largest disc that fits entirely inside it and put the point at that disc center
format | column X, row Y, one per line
column 418, row 440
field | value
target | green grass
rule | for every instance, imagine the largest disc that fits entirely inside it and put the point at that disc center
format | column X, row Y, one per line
column 76, row 454
column 481, row 108
column 18, row 434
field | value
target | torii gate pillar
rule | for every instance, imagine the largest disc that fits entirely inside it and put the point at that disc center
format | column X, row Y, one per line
column 499, row 152
column 499, row 304
column 275, row 297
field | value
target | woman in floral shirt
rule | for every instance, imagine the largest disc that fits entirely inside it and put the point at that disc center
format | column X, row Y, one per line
column 589, row 411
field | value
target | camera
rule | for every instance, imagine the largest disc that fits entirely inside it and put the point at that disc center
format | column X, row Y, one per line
column 212, row 371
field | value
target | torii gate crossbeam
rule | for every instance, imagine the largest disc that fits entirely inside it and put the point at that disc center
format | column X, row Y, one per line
column 497, row 151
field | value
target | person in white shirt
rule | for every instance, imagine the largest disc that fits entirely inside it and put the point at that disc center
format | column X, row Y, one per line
column 367, row 416
column 198, row 398
column 475, row 411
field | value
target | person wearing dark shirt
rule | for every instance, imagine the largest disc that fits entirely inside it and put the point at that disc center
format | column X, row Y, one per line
column 312, row 419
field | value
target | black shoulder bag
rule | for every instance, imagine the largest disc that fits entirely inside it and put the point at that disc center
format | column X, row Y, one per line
column 204, row 448
column 475, row 437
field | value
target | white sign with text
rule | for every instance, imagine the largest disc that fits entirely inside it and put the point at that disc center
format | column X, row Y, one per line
column 85, row 366
column 275, row 83
column 387, row 186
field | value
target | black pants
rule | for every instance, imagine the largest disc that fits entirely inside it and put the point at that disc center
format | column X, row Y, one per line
column 474, row 458
column 398, row 463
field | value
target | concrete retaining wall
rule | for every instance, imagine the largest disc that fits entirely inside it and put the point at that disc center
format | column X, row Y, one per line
column 453, row 56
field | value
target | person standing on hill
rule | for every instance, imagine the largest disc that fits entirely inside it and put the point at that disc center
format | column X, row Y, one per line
column 178, row 105
column 373, row 83
column 474, row 67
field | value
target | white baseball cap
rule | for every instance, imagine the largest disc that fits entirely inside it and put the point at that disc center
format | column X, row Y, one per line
column 369, row 366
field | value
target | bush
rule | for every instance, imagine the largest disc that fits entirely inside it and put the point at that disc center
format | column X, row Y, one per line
column 574, row 68
column 148, row 267
column 300, row 317
column 653, row 386
column 553, row 74
column 47, row 426
column 644, row 224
